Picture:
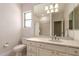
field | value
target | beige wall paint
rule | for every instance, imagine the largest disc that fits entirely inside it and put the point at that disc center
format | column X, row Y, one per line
column 10, row 26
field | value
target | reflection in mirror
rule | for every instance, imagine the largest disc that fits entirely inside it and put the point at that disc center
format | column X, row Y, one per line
column 74, row 19
column 42, row 20
column 49, row 19
column 57, row 28
column 71, row 21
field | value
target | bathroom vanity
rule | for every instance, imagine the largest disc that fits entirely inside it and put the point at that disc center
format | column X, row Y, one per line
column 48, row 47
column 57, row 25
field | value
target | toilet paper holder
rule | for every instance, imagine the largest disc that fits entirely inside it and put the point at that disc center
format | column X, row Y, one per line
column 6, row 45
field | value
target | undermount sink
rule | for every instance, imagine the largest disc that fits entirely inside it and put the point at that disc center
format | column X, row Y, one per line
column 55, row 40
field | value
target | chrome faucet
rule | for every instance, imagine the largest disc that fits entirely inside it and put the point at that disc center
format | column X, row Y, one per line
column 55, row 37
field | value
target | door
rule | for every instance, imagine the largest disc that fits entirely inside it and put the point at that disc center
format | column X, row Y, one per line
column 57, row 28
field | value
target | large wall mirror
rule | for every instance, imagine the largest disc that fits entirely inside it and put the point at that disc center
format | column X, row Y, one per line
column 41, row 20
column 48, row 19
column 74, row 19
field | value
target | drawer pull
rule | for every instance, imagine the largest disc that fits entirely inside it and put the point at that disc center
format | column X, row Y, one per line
column 40, row 45
column 76, row 51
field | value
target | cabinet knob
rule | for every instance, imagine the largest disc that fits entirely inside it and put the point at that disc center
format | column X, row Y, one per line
column 40, row 45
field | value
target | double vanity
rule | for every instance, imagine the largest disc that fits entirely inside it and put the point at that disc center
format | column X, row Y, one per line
column 48, row 47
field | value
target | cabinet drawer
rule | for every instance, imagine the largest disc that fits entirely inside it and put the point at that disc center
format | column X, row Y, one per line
column 72, row 51
column 36, row 44
column 52, row 47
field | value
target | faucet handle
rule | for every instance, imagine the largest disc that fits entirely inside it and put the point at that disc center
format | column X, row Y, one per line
column 55, row 35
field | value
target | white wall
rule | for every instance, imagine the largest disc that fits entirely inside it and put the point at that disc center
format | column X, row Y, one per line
column 44, row 25
column 10, row 26
column 72, row 33
column 27, row 32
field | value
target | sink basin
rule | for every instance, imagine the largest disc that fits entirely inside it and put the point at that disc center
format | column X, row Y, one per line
column 55, row 40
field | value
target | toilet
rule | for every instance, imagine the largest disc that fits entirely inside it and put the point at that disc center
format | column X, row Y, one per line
column 19, row 49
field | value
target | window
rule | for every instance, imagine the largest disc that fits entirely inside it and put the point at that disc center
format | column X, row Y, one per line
column 27, row 19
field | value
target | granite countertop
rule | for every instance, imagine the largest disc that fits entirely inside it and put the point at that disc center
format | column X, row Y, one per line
column 62, row 42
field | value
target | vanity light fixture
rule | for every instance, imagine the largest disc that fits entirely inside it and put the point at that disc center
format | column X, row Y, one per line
column 52, row 8
column 56, row 6
column 48, row 11
column 56, row 10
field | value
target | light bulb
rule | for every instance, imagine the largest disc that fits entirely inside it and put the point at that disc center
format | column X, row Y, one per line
column 48, row 11
column 56, row 6
column 52, row 10
column 46, row 7
column 51, row 6
column 56, row 10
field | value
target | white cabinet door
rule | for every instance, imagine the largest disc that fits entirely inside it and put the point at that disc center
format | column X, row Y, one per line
column 31, row 50
column 28, row 50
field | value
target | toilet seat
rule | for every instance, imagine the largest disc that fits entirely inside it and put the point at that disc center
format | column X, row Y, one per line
column 19, row 48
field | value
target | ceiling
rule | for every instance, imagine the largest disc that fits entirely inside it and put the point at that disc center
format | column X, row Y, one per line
column 39, row 9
